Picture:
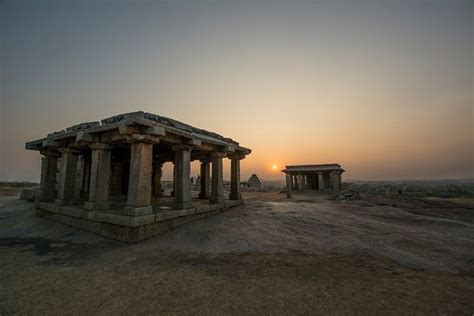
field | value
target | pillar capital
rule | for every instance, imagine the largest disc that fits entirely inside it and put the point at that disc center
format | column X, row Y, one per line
column 236, row 156
column 218, row 155
column 140, row 138
column 181, row 147
column 50, row 153
column 205, row 160
column 100, row 146
column 69, row 150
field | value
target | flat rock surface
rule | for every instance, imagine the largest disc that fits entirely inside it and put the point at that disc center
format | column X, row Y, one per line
column 272, row 255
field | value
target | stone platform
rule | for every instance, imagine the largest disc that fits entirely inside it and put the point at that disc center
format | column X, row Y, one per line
column 131, row 229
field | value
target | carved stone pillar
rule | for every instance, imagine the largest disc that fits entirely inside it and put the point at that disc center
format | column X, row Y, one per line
column 49, row 165
column 321, row 181
column 300, row 182
column 235, row 177
column 79, row 189
column 217, row 187
column 67, row 177
column 288, row 185
column 99, row 177
column 205, row 179
column 335, row 181
column 157, row 174
column 182, row 194
column 139, row 185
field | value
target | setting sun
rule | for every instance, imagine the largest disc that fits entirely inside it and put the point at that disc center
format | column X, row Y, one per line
column 274, row 167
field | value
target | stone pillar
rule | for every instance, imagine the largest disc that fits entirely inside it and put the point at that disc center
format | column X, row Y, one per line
column 288, row 185
column 99, row 177
column 157, row 173
column 217, row 187
column 300, row 182
column 235, row 178
column 321, row 181
column 335, row 181
column 49, row 165
column 205, row 180
column 67, row 177
column 87, row 177
column 182, row 194
column 139, row 185
column 174, row 179
column 79, row 192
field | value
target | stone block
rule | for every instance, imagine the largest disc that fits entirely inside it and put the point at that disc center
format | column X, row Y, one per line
column 95, row 206
column 138, row 211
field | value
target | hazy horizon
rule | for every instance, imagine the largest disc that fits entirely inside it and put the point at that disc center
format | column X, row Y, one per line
column 383, row 88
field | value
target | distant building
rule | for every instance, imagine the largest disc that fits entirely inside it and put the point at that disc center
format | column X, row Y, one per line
column 313, row 177
column 254, row 182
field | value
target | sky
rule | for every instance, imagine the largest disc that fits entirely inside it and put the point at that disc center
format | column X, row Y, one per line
column 384, row 88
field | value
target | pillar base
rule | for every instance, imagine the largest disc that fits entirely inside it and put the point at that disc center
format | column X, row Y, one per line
column 216, row 200
column 62, row 202
column 235, row 196
column 95, row 206
column 138, row 211
column 182, row 205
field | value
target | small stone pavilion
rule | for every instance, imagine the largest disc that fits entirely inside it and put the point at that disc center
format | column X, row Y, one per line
column 313, row 177
column 105, row 176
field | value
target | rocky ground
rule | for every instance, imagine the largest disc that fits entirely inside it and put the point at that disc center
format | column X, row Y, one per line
column 378, row 255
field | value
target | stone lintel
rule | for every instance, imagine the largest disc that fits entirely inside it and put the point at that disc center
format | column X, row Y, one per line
column 194, row 142
column 84, row 137
column 156, row 131
column 49, row 143
column 172, row 139
column 127, row 129
column 205, row 147
column 230, row 148
column 181, row 147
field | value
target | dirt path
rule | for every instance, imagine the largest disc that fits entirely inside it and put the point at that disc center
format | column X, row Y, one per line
column 269, row 256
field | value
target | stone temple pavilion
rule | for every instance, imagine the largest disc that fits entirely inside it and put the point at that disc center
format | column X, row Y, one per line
column 313, row 177
column 105, row 176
